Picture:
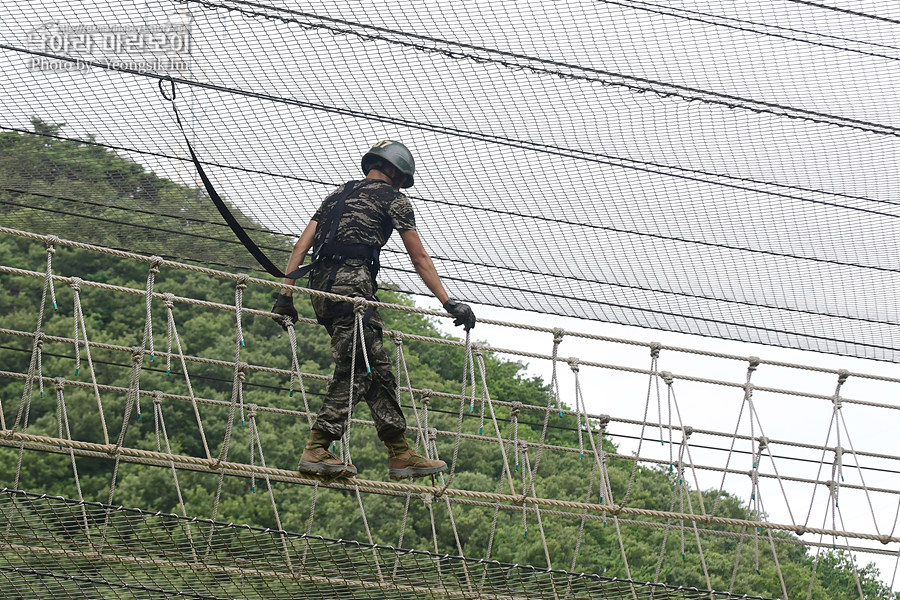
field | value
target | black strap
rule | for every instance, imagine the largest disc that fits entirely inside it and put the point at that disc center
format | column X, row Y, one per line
column 236, row 227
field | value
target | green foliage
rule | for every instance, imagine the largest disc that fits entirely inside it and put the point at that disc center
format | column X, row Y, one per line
column 112, row 318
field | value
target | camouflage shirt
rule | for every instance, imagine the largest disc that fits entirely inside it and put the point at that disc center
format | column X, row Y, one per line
column 371, row 213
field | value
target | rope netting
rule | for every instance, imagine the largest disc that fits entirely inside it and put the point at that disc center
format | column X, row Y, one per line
column 723, row 169
column 771, row 480
column 49, row 553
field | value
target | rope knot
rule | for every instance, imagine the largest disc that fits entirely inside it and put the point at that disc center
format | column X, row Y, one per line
column 75, row 284
column 655, row 347
column 515, row 409
column 476, row 350
column 251, row 411
column 749, row 387
column 242, row 281
column 884, row 539
column 763, row 442
column 396, row 337
column 242, row 368
column 558, row 333
column 169, row 300
column 573, row 364
column 155, row 262
column 520, row 500
column 157, row 397
column 39, row 341
column 59, row 383
column 431, row 434
column 359, row 305
column 843, row 374
column 427, row 499
column 136, row 354
column 604, row 421
column 667, row 377
column 754, row 476
column 754, row 362
column 52, row 242
column 687, row 430
column 426, row 397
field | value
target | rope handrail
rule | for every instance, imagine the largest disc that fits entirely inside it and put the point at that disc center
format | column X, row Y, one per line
column 431, row 313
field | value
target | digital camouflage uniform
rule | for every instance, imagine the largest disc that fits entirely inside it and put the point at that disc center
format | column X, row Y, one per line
column 371, row 213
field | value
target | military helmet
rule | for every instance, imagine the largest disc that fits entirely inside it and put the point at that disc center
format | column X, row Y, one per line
column 394, row 153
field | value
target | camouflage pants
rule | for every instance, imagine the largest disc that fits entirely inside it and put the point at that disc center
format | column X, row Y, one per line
column 378, row 388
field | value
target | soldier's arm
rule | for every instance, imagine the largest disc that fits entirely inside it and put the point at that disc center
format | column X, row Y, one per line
column 423, row 264
column 298, row 254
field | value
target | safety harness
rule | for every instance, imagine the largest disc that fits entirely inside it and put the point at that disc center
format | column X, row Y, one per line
column 326, row 248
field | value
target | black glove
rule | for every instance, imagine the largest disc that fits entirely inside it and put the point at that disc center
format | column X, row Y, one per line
column 462, row 313
column 284, row 305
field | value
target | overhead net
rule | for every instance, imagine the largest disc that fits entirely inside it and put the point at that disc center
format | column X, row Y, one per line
column 723, row 170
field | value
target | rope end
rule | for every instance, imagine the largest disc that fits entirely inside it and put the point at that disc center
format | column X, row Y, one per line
column 151, row 357
column 683, row 557
column 757, row 572
column 168, row 371
column 55, row 306
column 243, row 423
column 76, row 371
column 526, row 533
column 560, row 413
column 139, row 416
column 242, row 344
column 253, row 489
column 291, row 394
column 480, row 430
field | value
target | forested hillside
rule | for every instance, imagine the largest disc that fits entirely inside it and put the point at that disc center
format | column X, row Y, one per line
column 38, row 173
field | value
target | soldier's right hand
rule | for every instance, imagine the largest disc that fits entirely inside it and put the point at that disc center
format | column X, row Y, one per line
column 462, row 313
column 284, row 305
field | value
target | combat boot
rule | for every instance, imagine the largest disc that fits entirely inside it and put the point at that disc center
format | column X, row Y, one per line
column 405, row 462
column 317, row 460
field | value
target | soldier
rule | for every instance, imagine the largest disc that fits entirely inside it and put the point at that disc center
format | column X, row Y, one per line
column 346, row 235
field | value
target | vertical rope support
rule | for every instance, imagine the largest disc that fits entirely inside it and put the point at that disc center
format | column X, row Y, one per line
column 169, row 301
column 558, row 334
column 295, row 368
column 75, row 284
column 162, row 436
column 254, row 433
column 38, row 339
column 470, row 348
column 155, row 262
column 537, row 511
column 431, row 441
column 63, row 418
column 654, row 361
column 748, row 391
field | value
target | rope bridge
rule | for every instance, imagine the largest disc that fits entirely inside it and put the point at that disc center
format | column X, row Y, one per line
column 56, row 545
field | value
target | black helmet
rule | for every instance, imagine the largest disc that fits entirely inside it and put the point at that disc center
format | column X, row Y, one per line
column 394, row 153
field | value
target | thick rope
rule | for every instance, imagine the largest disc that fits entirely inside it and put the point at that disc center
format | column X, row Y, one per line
column 75, row 283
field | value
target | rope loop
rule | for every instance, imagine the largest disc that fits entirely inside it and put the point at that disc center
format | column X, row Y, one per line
column 396, row 337
column 558, row 333
column 157, row 397
column 843, row 374
column 687, row 430
column 431, row 434
column 359, row 305
column 574, row 364
column 39, row 341
column 155, row 262
column 516, row 409
column 763, row 442
column 426, row 396
column 667, row 377
column 52, row 241
column 137, row 354
column 655, row 347
column 251, row 411
column 59, row 383
column 75, row 283
column 169, row 300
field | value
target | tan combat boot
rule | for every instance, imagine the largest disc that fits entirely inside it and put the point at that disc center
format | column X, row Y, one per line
column 317, row 460
column 405, row 462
